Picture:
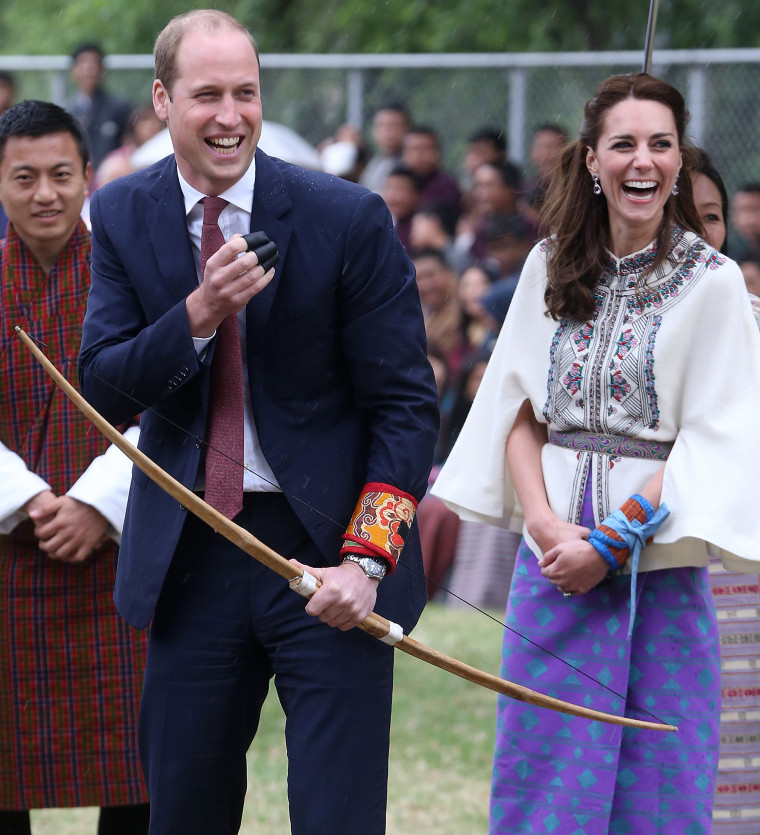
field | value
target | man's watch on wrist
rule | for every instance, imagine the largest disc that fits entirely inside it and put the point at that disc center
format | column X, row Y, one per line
column 374, row 569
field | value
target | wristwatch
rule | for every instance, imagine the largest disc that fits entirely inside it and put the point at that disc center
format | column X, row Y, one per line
column 374, row 569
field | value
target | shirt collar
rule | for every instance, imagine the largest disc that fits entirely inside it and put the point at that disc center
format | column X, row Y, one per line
column 240, row 194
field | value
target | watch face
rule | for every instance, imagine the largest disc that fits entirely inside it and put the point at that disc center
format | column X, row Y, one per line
column 373, row 568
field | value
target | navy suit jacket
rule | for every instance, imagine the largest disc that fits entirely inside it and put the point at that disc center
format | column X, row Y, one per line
column 341, row 388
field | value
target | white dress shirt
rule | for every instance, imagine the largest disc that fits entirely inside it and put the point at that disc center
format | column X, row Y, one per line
column 104, row 485
column 235, row 218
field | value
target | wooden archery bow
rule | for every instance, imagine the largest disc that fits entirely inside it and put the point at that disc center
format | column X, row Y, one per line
column 373, row 624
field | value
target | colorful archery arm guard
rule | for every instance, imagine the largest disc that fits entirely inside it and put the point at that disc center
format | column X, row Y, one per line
column 380, row 523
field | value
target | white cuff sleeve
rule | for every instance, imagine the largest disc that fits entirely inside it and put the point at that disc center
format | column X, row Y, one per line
column 17, row 486
column 104, row 485
column 201, row 344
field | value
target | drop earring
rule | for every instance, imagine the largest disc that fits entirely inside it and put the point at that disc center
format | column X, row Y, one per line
column 675, row 186
column 597, row 187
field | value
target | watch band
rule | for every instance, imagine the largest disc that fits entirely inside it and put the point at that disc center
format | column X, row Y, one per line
column 375, row 569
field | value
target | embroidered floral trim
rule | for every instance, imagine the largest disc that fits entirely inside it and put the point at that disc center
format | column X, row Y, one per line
column 381, row 522
column 574, row 377
column 619, row 386
column 583, row 337
column 558, row 334
column 654, row 410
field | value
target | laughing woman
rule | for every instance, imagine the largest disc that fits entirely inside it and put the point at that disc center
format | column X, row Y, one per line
column 617, row 409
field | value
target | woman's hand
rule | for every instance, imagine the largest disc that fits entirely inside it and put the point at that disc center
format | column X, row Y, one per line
column 574, row 566
column 551, row 531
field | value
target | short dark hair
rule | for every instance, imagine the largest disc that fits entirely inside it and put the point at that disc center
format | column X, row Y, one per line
column 445, row 212
column 491, row 135
column 41, row 118
column 507, row 171
column 430, row 252
column 750, row 188
column 551, row 127
column 424, row 130
column 7, row 78
column 401, row 170
column 89, row 46
column 395, row 107
column 506, row 226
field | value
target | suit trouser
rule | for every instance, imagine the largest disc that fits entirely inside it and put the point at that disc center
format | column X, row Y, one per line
column 223, row 627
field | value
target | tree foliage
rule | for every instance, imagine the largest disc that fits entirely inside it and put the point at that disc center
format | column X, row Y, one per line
column 54, row 27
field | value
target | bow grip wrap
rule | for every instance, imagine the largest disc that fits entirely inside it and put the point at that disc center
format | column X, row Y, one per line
column 266, row 250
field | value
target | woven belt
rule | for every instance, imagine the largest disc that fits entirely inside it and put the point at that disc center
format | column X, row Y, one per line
column 617, row 445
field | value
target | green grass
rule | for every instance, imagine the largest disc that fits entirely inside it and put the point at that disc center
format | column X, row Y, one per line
column 441, row 743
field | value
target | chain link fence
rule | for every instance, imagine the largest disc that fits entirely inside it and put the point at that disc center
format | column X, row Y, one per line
column 459, row 93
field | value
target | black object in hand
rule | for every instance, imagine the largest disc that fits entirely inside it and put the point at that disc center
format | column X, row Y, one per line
column 266, row 250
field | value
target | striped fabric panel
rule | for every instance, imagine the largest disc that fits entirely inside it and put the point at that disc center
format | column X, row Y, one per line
column 737, row 795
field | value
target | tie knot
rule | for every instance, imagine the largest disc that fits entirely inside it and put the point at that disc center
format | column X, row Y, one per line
column 212, row 208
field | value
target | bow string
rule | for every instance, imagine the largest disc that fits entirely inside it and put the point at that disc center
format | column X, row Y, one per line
column 305, row 584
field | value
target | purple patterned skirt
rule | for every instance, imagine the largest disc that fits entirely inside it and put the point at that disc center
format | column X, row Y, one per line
column 560, row 774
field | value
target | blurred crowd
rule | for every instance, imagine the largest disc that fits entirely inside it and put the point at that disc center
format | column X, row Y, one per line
column 468, row 231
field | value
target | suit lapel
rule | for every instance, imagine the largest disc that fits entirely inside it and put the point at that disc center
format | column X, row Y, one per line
column 270, row 202
column 171, row 247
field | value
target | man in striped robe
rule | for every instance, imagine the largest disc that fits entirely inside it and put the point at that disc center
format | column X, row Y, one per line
column 70, row 668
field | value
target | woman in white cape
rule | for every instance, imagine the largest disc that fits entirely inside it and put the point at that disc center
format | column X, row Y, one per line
column 614, row 427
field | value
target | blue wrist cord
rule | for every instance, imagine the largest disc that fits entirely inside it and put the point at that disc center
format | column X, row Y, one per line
column 634, row 535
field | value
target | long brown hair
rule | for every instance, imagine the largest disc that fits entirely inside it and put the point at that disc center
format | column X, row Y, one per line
column 577, row 220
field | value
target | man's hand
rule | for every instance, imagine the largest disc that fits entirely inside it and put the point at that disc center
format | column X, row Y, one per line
column 43, row 504
column 68, row 530
column 231, row 280
column 574, row 566
column 345, row 597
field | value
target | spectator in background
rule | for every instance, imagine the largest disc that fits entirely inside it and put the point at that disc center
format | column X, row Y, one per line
column 422, row 154
column 7, row 90
column 480, row 567
column 495, row 191
column 437, row 525
column 750, row 268
column 344, row 154
column 711, row 201
column 402, row 193
column 434, row 227
column 389, row 126
column 103, row 117
column 143, row 124
column 745, row 218
column 508, row 239
column 7, row 95
column 545, row 149
column 474, row 284
column 437, row 286
column 485, row 145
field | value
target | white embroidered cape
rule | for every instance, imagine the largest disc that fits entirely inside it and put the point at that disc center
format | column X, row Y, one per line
column 679, row 361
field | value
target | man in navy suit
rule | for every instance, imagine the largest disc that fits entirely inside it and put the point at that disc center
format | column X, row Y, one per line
column 339, row 429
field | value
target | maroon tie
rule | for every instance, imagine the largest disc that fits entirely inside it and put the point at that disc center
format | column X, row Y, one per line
column 224, row 453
